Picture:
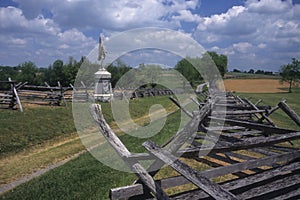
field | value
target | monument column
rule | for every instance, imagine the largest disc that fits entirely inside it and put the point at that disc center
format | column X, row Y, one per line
column 103, row 89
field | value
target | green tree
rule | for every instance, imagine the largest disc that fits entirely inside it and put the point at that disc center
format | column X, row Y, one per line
column 187, row 69
column 290, row 73
column 27, row 72
column 8, row 72
column 221, row 62
column 117, row 70
column 251, row 71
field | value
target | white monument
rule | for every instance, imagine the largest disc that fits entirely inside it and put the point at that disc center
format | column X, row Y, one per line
column 103, row 89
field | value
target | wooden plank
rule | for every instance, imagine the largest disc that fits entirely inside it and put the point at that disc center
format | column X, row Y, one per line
column 240, row 183
column 245, row 144
column 295, row 194
column 126, row 192
column 238, row 112
column 17, row 98
column 223, row 128
column 290, row 112
column 273, row 186
column 202, row 182
column 5, row 95
column 181, row 107
column 249, row 143
column 270, row 160
column 235, row 184
column 243, row 133
column 255, row 126
column 263, row 116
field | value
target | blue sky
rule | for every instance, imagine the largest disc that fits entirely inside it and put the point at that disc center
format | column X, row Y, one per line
column 255, row 34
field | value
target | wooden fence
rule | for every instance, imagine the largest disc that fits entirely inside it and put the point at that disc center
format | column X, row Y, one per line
column 254, row 157
column 141, row 93
column 9, row 98
column 42, row 95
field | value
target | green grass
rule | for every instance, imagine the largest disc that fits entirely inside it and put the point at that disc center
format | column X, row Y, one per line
column 85, row 177
column 22, row 130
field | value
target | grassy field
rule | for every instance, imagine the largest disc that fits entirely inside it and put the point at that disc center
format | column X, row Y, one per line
column 86, row 178
column 22, row 130
column 52, row 145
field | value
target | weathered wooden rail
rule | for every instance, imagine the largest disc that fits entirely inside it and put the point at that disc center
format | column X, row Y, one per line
column 41, row 95
column 9, row 98
column 141, row 93
column 252, row 158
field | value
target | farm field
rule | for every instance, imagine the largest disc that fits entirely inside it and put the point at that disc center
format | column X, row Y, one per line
column 87, row 178
column 254, row 85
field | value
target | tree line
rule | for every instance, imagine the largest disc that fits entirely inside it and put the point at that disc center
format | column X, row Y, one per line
column 66, row 73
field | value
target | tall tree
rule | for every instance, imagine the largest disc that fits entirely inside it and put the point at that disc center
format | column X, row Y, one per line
column 290, row 73
column 221, row 62
column 27, row 72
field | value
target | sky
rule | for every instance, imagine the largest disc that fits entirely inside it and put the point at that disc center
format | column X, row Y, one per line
column 258, row 34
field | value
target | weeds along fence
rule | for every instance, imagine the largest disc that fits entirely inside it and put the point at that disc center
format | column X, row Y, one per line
column 252, row 157
column 9, row 98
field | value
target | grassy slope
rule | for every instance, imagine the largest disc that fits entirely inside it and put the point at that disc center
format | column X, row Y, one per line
column 86, row 178
column 19, row 131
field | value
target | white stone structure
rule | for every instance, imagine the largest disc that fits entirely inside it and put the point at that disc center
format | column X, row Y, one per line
column 103, row 89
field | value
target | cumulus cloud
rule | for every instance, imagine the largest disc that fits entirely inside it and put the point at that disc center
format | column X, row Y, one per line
column 267, row 30
column 112, row 15
column 38, row 39
column 254, row 29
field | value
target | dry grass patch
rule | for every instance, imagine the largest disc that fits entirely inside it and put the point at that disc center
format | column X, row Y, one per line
column 254, row 85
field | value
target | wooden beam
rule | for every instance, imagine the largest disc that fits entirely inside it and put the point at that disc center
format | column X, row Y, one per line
column 263, row 116
column 255, row 126
column 235, row 184
column 194, row 176
column 242, row 182
column 181, row 107
column 245, row 144
column 290, row 112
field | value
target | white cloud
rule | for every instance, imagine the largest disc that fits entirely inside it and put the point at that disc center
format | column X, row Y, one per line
column 112, row 15
column 268, row 6
column 262, row 45
column 186, row 15
column 38, row 39
column 266, row 29
column 242, row 47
